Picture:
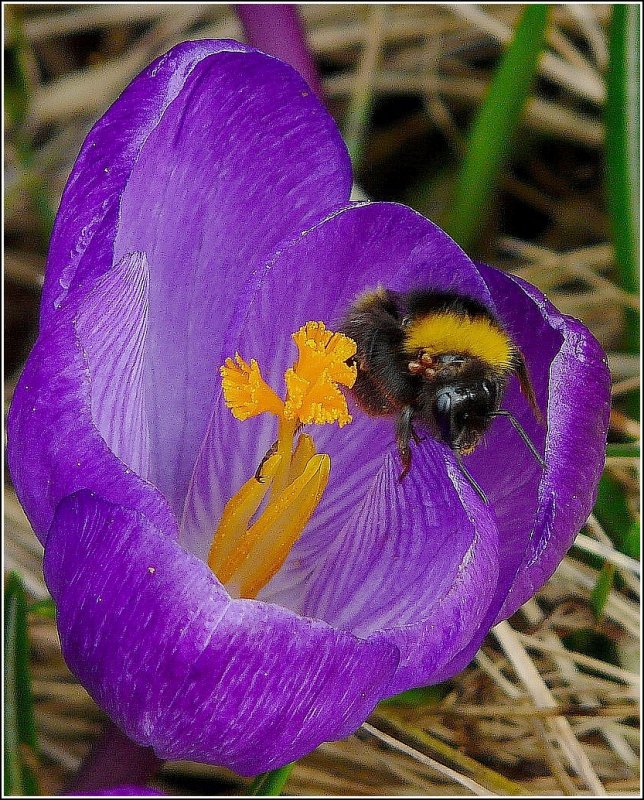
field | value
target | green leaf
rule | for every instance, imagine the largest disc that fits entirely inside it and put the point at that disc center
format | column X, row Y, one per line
column 423, row 696
column 631, row 540
column 601, row 590
column 594, row 643
column 355, row 128
column 17, row 86
column 43, row 608
column 271, row 783
column 612, row 509
column 20, row 744
column 625, row 450
column 493, row 130
column 622, row 148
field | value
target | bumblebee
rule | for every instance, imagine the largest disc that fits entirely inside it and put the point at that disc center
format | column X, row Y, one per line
column 438, row 359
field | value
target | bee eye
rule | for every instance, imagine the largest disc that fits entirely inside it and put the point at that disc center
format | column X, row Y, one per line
column 405, row 321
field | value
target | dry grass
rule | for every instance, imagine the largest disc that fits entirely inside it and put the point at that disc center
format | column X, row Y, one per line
column 529, row 715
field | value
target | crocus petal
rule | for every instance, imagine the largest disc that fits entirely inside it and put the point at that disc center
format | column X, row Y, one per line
column 577, row 425
column 158, row 175
column 158, row 643
column 416, row 560
column 111, row 325
column 54, row 445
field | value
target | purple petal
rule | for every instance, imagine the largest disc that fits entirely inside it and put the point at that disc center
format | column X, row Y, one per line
column 54, row 446
column 416, row 560
column 112, row 329
column 211, row 156
column 86, row 224
column 577, row 423
column 178, row 665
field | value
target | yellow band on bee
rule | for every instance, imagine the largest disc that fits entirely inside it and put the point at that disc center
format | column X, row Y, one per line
column 446, row 332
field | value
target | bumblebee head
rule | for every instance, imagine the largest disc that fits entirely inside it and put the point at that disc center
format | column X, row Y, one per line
column 462, row 414
column 460, row 410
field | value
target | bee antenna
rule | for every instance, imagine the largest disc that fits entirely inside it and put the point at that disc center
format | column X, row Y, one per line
column 519, row 429
column 471, row 480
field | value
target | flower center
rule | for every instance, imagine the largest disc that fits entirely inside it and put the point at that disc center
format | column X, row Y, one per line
column 246, row 551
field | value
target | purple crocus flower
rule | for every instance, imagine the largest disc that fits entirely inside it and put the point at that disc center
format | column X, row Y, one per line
column 208, row 214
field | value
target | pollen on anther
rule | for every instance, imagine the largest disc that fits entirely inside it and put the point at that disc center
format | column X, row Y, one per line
column 312, row 394
column 245, row 554
column 246, row 393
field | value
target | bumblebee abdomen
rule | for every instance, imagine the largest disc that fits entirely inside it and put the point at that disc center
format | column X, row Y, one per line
column 384, row 383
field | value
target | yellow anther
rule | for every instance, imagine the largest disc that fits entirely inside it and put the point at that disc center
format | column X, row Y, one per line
column 303, row 453
column 268, row 542
column 246, row 393
column 238, row 512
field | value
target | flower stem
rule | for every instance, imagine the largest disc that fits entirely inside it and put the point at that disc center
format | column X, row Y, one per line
column 271, row 783
column 278, row 31
column 114, row 760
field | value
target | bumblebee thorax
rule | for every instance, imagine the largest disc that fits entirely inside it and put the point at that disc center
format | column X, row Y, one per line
column 448, row 366
column 452, row 339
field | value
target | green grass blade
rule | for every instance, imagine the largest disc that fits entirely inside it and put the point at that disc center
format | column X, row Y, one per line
column 622, row 144
column 414, row 735
column 19, row 727
column 601, row 591
column 625, row 450
column 612, row 509
column 17, row 85
column 270, row 784
column 45, row 609
column 632, row 540
column 492, row 132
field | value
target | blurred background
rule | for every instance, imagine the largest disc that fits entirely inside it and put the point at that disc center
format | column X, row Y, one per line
column 527, row 156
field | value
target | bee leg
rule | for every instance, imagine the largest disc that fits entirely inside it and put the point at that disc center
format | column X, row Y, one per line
column 470, row 479
column 270, row 452
column 404, row 432
column 418, row 439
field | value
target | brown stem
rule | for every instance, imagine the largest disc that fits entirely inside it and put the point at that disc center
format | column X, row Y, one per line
column 114, row 760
